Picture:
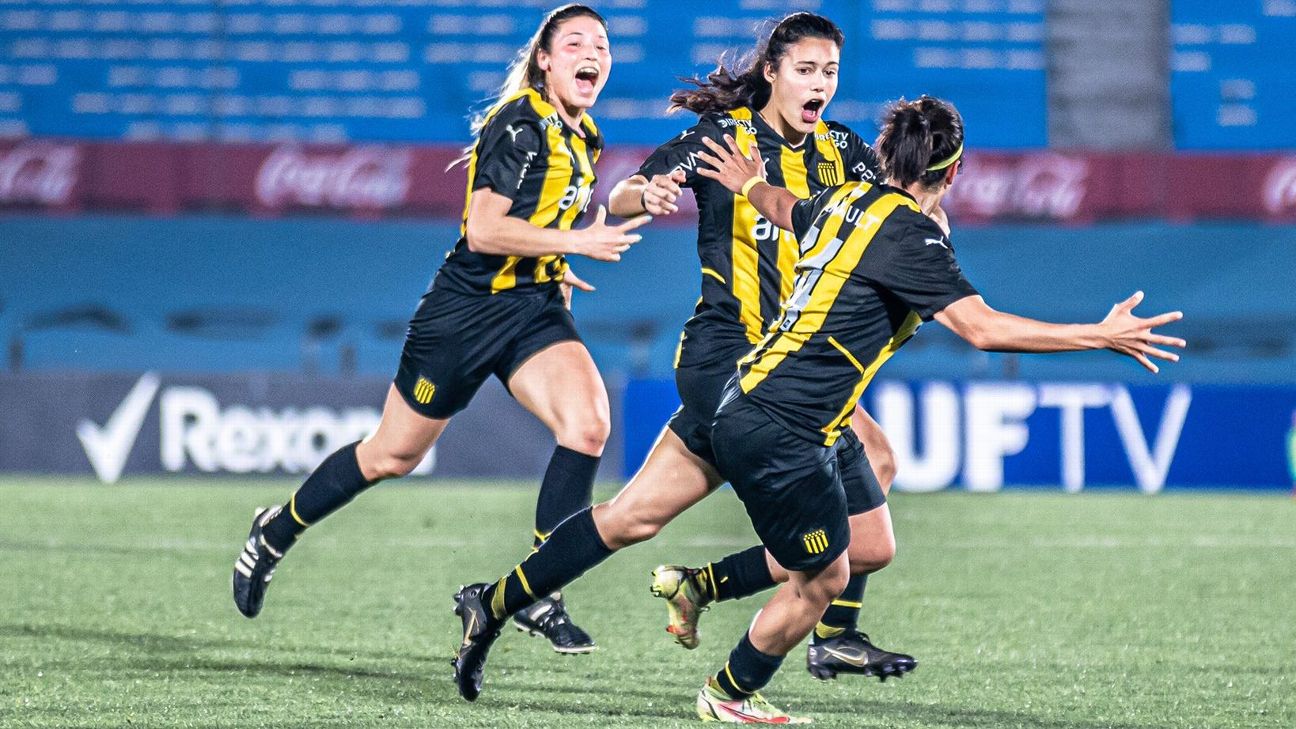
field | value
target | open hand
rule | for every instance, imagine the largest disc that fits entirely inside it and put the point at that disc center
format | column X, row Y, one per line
column 1133, row 336
column 604, row 242
column 572, row 281
column 730, row 166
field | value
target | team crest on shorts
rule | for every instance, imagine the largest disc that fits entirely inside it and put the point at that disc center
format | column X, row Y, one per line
column 424, row 390
column 815, row 542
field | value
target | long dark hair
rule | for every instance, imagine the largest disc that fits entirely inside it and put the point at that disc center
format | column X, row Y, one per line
column 917, row 135
column 524, row 72
column 726, row 88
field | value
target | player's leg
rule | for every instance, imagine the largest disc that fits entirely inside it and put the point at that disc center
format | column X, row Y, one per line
column 671, row 480
column 837, row 645
column 792, row 490
column 561, row 386
column 448, row 353
column 732, row 693
column 402, row 439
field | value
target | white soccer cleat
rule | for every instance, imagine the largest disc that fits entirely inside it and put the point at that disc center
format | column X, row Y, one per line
column 713, row 704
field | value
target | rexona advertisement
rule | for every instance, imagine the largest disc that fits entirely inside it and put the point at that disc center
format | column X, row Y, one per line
column 119, row 425
column 985, row 436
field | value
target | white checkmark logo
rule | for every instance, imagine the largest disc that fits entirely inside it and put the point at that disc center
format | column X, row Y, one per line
column 109, row 446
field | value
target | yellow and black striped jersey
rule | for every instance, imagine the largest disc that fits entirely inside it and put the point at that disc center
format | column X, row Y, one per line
column 872, row 268
column 747, row 262
column 527, row 153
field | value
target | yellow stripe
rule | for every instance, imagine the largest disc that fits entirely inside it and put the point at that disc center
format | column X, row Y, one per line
column 507, row 276
column 715, row 588
column 765, row 358
column 796, row 180
column 732, row 680
column 542, row 536
column 472, row 156
column 746, row 259
column 581, row 152
column 558, row 171
column 522, row 580
column 292, row 511
column 833, row 341
column 906, row 330
column 848, row 604
column 714, row 274
column 497, row 600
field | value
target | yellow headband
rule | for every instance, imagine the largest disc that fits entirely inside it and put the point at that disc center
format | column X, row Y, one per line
column 947, row 161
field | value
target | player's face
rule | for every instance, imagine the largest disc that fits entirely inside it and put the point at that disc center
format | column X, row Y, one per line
column 804, row 82
column 577, row 65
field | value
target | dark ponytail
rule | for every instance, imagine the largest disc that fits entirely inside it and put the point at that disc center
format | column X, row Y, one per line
column 917, row 135
column 726, row 88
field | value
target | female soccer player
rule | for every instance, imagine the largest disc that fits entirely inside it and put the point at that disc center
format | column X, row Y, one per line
column 874, row 266
column 496, row 307
column 776, row 102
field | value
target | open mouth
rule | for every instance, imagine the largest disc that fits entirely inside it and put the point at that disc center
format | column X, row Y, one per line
column 810, row 110
column 586, row 78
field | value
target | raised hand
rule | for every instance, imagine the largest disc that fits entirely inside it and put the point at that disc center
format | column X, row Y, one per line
column 604, row 242
column 730, row 166
column 660, row 193
column 1133, row 336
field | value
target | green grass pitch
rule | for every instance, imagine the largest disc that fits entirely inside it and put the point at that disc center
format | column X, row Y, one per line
column 1024, row 610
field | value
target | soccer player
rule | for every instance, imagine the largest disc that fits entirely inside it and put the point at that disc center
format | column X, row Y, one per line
column 498, row 305
column 776, row 103
column 874, row 267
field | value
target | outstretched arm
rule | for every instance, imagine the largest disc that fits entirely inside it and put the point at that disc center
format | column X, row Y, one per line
column 744, row 174
column 491, row 230
column 1121, row 331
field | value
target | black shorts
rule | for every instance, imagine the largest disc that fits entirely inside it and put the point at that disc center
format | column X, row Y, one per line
column 791, row 488
column 701, row 387
column 455, row 341
column 863, row 491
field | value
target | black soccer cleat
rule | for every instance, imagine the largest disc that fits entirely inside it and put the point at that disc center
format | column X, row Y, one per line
column 548, row 619
column 255, row 566
column 851, row 652
column 480, row 629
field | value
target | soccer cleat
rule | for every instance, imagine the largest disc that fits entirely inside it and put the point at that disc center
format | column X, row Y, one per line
column 686, row 600
column 548, row 618
column 480, row 629
column 255, row 566
column 713, row 704
column 851, row 652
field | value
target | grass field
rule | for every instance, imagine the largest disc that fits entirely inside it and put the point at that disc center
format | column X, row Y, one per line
column 1024, row 610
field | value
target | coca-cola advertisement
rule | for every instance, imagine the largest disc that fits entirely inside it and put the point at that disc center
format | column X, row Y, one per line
column 395, row 180
column 357, row 178
column 39, row 173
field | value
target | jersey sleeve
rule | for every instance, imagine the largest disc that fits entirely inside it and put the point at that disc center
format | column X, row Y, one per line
column 681, row 152
column 861, row 160
column 918, row 266
column 504, row 155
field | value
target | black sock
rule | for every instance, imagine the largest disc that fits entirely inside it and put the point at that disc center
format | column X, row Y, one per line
column 738, row 575
column 572, row 548
column 843, row 614
column 747, row 670
column 330, row 487
column 566, row 489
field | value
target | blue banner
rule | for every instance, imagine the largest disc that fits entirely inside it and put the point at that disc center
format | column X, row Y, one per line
column 985, row 436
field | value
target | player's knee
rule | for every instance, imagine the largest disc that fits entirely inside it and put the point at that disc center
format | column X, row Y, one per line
column 587, row 435
column 830, row 582
column 867, row 556
column 392, row 465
